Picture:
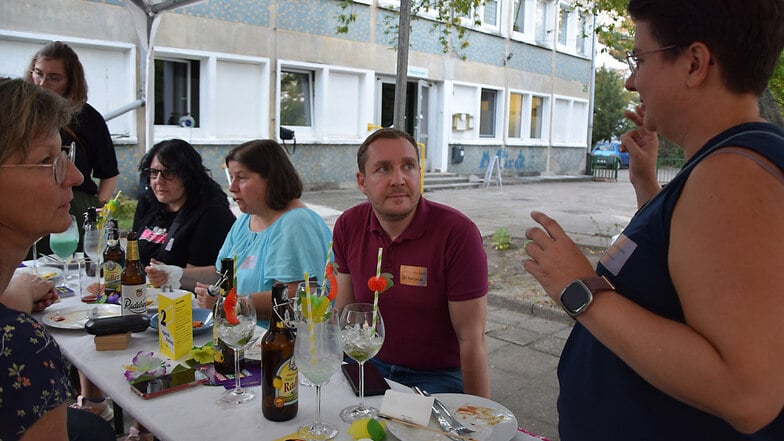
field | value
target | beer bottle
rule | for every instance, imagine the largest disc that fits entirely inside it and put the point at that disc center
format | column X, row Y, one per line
column 133, row 281
column 279, row 376
column 223, row 354
column 113, row 259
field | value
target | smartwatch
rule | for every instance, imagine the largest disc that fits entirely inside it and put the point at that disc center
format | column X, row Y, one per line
column 578, row 295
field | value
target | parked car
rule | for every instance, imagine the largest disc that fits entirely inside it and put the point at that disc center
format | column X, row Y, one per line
column 606, row 150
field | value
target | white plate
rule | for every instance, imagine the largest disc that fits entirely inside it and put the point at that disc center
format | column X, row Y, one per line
column 490, row 420
column 74, row 317
column 47, row 272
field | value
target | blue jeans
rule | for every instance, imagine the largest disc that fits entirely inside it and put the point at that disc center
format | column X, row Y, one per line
column 435, row 382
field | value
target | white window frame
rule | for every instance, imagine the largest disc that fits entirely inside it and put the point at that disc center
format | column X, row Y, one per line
column 529, row 24
column 579, row 139
column 573, row 32
column 548, row 21
column 471, row 105
column 123, row 128
column 525, row 118
column 208, row 84
column 319, row 132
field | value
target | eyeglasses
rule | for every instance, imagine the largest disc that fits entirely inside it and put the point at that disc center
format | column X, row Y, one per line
column 633, row 60
column 38, row 75
column 167, row 174
column 59, row 165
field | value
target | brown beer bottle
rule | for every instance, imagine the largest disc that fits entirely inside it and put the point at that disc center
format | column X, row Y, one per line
column 133, row 281
column 113, row 260
column 279, row 374
column 223, row 358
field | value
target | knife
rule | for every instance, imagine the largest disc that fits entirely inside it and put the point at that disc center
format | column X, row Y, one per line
column 441, row 413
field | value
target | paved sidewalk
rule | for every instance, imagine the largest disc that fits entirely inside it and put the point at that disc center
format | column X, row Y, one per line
column 524, row 340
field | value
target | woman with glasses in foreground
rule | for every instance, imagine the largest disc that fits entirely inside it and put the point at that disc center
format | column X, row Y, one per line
column 56, row 67
column 36, row 170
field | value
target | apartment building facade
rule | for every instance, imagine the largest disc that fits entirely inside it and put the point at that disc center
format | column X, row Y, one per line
column 222, row 72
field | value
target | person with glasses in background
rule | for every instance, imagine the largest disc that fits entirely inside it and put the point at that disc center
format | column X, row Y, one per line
column 181, row 221
column 678, row 331
column 183, row 215
column 57, row 67
column 36, row 177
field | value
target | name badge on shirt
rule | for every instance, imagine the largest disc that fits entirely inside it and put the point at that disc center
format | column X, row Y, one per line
column 619, row 252
column 249, row 262
column 413, row 275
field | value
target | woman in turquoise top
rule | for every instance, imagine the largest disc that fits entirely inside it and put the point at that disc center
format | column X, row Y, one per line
column 277, row 238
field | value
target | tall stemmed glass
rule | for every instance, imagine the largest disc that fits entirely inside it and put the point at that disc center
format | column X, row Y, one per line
column 235, row 317
column 318, row 352
column 361, row 342
column 93, row 248
column 64, row 245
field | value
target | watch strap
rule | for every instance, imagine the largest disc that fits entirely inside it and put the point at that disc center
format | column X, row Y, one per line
column 598, row 283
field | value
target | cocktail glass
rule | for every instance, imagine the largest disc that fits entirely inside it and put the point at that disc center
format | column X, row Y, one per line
column 361, row 342
column 236, row 324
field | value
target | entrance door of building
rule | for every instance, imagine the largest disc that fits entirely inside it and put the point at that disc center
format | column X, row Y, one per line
column 417, row 117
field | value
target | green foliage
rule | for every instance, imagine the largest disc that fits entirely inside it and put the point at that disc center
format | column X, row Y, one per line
column 501, row 239
column 776, row 84
column 451, row 17
column 610, row 100
column 125, row 213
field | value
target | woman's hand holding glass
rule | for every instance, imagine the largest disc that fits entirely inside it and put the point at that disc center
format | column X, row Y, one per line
column 361, row 341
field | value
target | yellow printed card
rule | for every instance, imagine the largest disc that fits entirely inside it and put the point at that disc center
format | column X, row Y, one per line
column 175, row 323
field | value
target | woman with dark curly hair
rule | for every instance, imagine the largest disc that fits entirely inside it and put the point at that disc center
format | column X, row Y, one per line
column 182, row 216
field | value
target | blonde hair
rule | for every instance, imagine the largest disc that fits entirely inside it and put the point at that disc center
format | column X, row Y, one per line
column 28, row 112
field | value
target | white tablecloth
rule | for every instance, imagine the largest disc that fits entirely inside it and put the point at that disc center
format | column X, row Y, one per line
column 196, row 413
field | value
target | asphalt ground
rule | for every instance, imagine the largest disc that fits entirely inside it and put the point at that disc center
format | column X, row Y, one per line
column 524, row 340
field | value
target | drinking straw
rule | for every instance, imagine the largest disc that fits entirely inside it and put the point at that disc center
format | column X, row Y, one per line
column 375, row 294
column 309, row 320
column 324, row 282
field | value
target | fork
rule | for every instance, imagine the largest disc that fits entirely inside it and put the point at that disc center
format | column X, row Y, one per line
column 457, row 426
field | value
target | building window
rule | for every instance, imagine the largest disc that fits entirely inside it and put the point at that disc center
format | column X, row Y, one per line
column 489, row 13
column 515, row 115
column 487, row 114
column 296, row 98
column 177, row 92
column 543, row 25
column 537, row 117
column 584, row 32
column 518, row 17
column 527, row 116
column 563, row 25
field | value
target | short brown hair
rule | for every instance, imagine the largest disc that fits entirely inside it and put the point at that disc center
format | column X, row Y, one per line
column 28, row 112
column 386, row 133
column 57, row 50
column 267, row 158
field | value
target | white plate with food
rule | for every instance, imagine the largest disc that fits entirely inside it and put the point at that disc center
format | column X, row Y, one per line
column 74, row 317
column 489, row 420
column 45, row 272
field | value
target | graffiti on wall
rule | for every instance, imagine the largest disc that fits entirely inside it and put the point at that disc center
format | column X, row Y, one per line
column 505, row 159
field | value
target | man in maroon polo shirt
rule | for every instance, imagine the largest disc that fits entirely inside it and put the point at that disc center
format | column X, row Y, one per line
column 435, row 312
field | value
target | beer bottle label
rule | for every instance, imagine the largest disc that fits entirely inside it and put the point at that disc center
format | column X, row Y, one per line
column 134, row 299
column 112, row 272
column 285, row 383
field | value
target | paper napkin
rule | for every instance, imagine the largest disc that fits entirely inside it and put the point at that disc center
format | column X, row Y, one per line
column 407, row 406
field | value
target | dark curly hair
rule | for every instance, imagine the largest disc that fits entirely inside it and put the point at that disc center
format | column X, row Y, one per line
column 181, row 158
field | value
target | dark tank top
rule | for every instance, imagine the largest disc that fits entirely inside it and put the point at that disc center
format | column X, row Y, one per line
column 601, row 398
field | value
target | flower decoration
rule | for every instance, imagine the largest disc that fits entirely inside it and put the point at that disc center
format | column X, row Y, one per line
column 230, row 307
column 203, row 354
column 381, row 282
column 329, row 274
column 145, row 364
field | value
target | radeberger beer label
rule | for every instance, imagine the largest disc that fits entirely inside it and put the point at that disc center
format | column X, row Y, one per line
column 285, row 383
column 134, row 299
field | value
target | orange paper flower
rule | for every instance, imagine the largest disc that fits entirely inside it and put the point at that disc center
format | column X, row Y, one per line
column 380, row 283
